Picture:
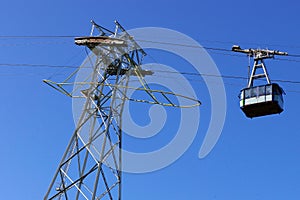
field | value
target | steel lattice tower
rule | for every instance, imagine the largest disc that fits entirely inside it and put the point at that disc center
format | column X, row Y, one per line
column 91, row 167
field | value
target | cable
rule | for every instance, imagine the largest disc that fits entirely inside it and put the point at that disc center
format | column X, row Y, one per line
column 251, row 43
column 37, row 65
column 37, row 36
column 161, row 71
column 230, row 84
column 209, row 41
column 291, row 60
column 166, row 43
column 185, row 45
column 149, row 41
column 224, row 76
column 294, row 55
column 198, row 47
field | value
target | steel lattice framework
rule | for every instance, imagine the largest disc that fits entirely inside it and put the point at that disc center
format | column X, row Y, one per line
column 91, row 167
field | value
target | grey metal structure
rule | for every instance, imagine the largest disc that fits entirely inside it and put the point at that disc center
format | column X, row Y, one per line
column 91, row 167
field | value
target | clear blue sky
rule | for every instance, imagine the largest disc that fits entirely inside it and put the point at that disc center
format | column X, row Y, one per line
column 254, row 159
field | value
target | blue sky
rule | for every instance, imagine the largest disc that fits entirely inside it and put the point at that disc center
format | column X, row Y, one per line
column 253, row 159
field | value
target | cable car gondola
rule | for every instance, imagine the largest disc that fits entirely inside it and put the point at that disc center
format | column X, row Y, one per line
column 261, row 100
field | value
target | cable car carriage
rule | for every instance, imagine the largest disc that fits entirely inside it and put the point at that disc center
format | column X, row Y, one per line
column 261, row 100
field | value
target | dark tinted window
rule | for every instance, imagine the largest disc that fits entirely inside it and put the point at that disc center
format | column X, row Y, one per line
column 276, row 90
column 253, row 92
column 268, row 89
column 247, row 93
column 261, row 90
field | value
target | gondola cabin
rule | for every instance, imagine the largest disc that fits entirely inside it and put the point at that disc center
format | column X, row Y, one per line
column 262, row 100
column 256, row 101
